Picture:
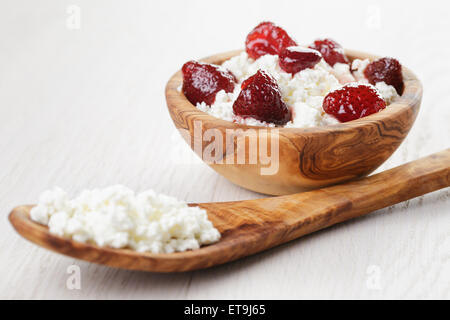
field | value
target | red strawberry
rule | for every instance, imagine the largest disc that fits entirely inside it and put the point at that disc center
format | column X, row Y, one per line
column 388, row 70
column 331, row 51
column 201, row 82
column 260, row 98
column 296, row 59
column 353, row 102
column 267, row 38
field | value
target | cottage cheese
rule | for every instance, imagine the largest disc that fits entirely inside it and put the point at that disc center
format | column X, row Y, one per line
column 117, row 217
column 303, row 92
column 358, row 67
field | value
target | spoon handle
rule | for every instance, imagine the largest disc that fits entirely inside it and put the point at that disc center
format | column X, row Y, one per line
column 300, row 214
column 399, row 184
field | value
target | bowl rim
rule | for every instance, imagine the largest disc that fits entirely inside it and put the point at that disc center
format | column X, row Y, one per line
column 408, row 101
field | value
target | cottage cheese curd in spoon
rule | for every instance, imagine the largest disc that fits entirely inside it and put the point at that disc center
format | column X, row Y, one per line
column 117, row 217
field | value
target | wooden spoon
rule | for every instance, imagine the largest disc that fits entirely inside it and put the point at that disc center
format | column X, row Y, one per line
column 251, row 226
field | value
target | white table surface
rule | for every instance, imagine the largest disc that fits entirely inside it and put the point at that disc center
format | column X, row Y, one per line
column 84, row 108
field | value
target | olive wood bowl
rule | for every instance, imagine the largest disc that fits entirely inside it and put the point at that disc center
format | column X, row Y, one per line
column 309, row 158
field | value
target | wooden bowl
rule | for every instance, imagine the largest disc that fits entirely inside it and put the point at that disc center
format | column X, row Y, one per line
column 309, row 158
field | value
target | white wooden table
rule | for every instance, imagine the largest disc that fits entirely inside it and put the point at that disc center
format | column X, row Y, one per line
column 84, row 108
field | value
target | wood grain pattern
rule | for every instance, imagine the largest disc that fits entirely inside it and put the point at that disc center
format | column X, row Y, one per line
column 248, row 227
column 309, row 158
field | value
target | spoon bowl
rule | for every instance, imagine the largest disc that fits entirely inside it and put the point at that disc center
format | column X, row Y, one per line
column 306, row 158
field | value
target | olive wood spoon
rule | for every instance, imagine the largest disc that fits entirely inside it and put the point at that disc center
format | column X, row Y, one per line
column 251, row 226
